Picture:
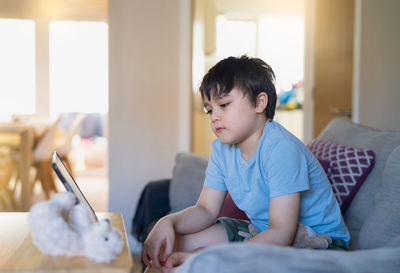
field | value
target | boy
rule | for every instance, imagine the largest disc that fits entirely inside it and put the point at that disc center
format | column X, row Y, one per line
column 269, row 173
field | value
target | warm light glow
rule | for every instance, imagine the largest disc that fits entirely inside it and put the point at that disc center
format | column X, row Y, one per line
column 278, row 39
column 235, row 38
column 78, row 67
column 281, row 45
column 17, row 67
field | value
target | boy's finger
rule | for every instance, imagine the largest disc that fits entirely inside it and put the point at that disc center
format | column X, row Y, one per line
column 154, row 258
column 185, row 255
column 167, row 251
column 152, row 255
column 145, row 258
column 176, row 259
column 172, row 260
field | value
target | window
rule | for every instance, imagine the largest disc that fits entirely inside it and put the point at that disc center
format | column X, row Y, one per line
column 281, row 45
column 17, row 67
column 235, row 38
column 278, row 39
column 78, row 67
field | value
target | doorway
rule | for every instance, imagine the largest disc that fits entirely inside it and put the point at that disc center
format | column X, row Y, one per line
column 333, row 65
column 270, row 30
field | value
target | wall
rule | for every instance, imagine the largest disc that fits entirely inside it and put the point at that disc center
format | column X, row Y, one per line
column 149, row 82
column 379, row 86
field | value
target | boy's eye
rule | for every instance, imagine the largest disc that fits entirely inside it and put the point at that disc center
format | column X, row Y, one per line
column 208, row 112
column 224, row 105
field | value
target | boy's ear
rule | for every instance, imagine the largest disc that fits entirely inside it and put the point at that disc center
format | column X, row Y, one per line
column 261, row 103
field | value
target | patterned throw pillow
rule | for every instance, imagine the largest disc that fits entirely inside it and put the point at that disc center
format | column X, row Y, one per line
column 326, row 165
column 348, row 168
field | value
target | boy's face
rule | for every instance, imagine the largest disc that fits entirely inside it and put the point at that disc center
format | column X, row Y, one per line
column 233, row 118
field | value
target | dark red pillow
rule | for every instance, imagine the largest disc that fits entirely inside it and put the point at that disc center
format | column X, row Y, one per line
column 229, row 209
column 348, row 168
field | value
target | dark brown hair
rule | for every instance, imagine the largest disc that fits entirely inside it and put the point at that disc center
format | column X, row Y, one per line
column 251, row 75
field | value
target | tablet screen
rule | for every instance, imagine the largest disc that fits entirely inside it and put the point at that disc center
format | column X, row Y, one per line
column 69, row 182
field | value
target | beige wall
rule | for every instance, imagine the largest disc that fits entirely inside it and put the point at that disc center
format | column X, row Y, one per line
column 149, row 83
column 379, row 85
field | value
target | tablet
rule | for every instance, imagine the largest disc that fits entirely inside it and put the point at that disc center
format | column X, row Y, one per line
column 69, row 183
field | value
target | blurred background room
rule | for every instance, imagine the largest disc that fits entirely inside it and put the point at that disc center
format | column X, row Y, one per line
column 113, row 85
column 54, row 85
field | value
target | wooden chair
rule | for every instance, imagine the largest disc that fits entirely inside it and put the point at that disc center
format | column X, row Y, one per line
column 42, row 159
column 7, row 170
column 64, row 146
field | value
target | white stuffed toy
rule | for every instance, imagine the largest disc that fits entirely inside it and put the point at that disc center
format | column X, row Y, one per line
column 305, row 237
column 62, row 228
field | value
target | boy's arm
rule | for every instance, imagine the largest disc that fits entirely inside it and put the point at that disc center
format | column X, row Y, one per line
column 160, row 242
column 201, row 215
column 282, row 221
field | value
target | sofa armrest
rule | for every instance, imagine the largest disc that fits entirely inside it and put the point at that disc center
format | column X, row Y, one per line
column 153, row 204
column 253, row 257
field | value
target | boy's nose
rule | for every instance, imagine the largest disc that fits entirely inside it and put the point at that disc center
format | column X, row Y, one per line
column 215, row 117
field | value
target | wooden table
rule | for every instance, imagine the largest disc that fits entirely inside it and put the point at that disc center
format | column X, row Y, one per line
column 19, row 254
column 21, row 137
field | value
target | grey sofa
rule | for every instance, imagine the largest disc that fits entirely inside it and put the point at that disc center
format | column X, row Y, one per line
column 373, row 217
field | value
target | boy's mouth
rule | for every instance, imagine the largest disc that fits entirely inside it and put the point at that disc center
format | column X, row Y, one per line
column 219, row 129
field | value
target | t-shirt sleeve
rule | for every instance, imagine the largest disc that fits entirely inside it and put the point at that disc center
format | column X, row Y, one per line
column 286, row 169
column 214, row 173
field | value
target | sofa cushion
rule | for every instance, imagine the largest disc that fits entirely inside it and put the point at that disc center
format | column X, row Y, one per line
column 187, row 180
column 348, row 167
column 383, row 223
column 345, row 132
column 260, row 258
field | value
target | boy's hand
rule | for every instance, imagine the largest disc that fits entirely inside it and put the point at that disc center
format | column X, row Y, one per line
column 176, row 259
column 159, row 244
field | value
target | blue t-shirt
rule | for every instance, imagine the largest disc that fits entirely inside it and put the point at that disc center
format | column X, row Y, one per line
column 281, row 165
